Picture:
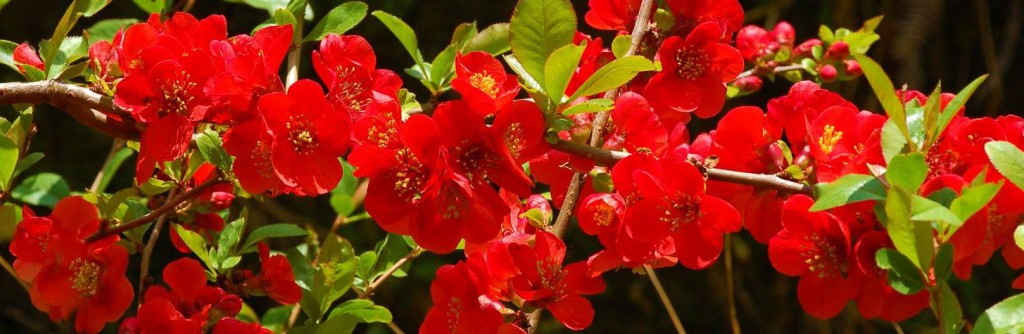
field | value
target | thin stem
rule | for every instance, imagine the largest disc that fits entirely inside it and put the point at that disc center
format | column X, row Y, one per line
column 10, row 270
column 896, row 326
column 734, row 320
column 114, row 147
column 394, row 328
column 758, row 180
column 777, row 70
column 171, row 203
column 664, row 300
column 391, row 270
column 147, row 253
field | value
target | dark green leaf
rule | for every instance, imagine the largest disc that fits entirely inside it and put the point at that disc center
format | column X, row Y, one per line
column 537, row 29
column 463, row 34
column 389, row 251
column 903, row 276
column 26, row 162
column 212, row 149
column 949, row 306
column 1008, row 160
column 494, row 40
column 559, row 68
column 405, row 34
column 7, row 54
column 110, row 169
column 43, row 189
column 271, row 231
column 907, row 171
column 443, row 66
column 943, row 263
column 1005, row 317
column 230, row 236
column 333, row 275
column 362, row 310
column 848, row 189
column 614, row 74
column 589, row 106
column 338, row 20
column 196, row 243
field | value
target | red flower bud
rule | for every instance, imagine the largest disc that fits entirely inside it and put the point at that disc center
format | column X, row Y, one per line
column 778, row 158
column 784, row 33
column 853, row 68
column 838, row 51
column 827, row 73
column 749, row 84
column 804, row 49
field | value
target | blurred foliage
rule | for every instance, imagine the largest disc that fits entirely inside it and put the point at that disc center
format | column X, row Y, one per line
column 923, row 41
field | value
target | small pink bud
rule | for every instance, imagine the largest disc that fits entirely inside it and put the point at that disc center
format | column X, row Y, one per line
column 838, row 51
column 827, row 72
column 804, row 49
column 749, row 84
column 784, row 33
column 853, row 68
column 778, row 158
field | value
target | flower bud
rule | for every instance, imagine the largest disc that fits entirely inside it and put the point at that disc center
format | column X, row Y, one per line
column 853, row 68
column 749, row 84
column 838, row 51
column 827, row 73
column 804, row 49
column 777, row 156
column 784, row 33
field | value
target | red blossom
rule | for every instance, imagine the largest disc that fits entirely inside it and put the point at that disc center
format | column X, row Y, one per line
column 348, row 66
column 613, row 14
column 726, row 14
column 483, row 83
column 877, row 299
column 188, row 306
column 25, row 55
column 459, row 307
column 275, row 279
column 250, row 70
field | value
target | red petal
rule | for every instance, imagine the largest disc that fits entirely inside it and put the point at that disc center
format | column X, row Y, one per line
column 573, row 311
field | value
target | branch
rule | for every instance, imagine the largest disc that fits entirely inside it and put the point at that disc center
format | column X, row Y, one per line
column 168, row 206
column 88, row 107
column 665, row 300
column 391, row 270
column 777, row 70
column 147, row 252
column 753, row 179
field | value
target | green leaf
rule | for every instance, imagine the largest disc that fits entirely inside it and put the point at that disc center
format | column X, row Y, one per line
column 527, row 80
column 152, row 6
column 885, row 92
column 10, row 215
column 43, row 189
column 932, row 112
column 1008, row 160
column 537, row 29
column 462, row 34
column 443, row 66
column 8, row 160
column 212, row 149
column 389, row 251
column 911, row 238
column 1005, row 317
column 271, row 231
column 7, row 54
column 614, row 74
column 952, row 314
column 907, row 171
column 362, row 310
column 589, row 106
column 26, row 162
column 973, row 199
column 893, row 142
column 285, row 17
column 903, row 276
column 825, row 34
column 338, row 20
column 943, row 263
column 848, row 189
column 621, row 44
column 230, row 236
column 405, row 34
column 559, row 69
column 106, row 29
column 1018, row 236
column 196, row 243
column 110, row 169
column 333, row 275
column 924, row 209
column 916, row 123
column 94, row 6
column 494, row 40
column 954, row 105
column 155, row 187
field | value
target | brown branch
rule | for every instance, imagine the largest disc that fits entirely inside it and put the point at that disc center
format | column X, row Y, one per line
column 147, row 252
column 88, row 107
column 391, row 270
column 753, row 179
column 777, row 70
column 153, row 215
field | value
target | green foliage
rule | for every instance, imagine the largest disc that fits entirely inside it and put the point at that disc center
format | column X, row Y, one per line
column 494, row 40
column 212, row 149
column 886, row 93
column 949, row 307
column 271, row 231
column 907, row 171
column 903, row 276
column 196, row 243
column 1005, row 317
column 589, row 106
column 43, row 189
column 911, row 238
column 373, row 264
column 111, row 167
column 332, row 276
column 559, row 68
column 537, row 29
column 851, row 188
column 7, row 54
column 153, row 6
column 8, row 160
column 943, row 266
column 1008, row 160
column 345, row 316
column 106, row 29
column 338, row 20
column 621, row 44
column 10, row 215
column 614, row 74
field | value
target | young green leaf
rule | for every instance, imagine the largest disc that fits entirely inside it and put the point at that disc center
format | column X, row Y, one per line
column 903, row 276
column 848, row 189
column 560, row 67
column 1008, row 160
column 212, row 149
column 26, row 162
column 338, row 20
column 893, row 142
column 196, row 243
column 954, row 105
column 924, row 209
column 907, row 171
column 932, row 112
column 443, row 66
column 8, row 160
column 621, row 44
column 537, row 29
column 362, row 310
column 911, row 238
column 463, row 34
column 1006, row 317
column 494, row 40
column 943, row 263
column 885, row 92
column 403, row 32
column 973, row 199
column 271, row 231
column 7, row 54
column 335, row 271
column 106, row 29
column 589, row 106
column 614, row 74
column 949, row 306
column 152, row 6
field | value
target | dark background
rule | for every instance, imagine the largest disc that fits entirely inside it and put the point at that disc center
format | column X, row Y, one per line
column 923, row 41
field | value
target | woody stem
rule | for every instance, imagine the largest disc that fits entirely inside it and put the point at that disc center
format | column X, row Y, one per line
column 147, row 253
column 777, row 70
column 168, row 206
column 88, row 107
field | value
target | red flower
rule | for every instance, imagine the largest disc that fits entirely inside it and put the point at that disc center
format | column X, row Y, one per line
column 877, row 299
column 188, row 306
column 726, row 14
column 228, row 325
column 613, row 14
column 250, row 70
column 483, row 83
column 68, row 276
column 805, row 101
column 838, row 137
column 600, row 215
column 308, row 137
column 694, row 74
column 594, row 56
column 521, row 126
column 348, row 66
column 275, row 279
column 458, row 306
column 24, row 55
column 543, row 281
column 814, row 246
column 755, row 42
column 1014, row 257
column 103, row 60
column 667, row 203
column 555, row 170
column 250, row 143
column 637, row 127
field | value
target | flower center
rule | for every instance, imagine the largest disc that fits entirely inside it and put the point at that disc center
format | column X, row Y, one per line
column 551, row 275
column 691, row 63
column 829, row 138
column 484, row 83
column 604, row 215
column 302, row 136
column 260, row 157
column 681, row 210
column 85, row 277
column 454, row 313
column 410, row 175
column 177, row 96
column 350, row 90
column 823, row 258
column 474, row 161
column 514, row 139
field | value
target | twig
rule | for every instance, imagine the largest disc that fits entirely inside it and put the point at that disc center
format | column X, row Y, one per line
column 168, row 206
column 777, row 70
column 734, row 320
column 10, row 269
column 391, row 270
column 758, row 180
column 394, row 328
column 147, row 253
column 114, row 148
column 88, row 107
column 664, row 300
column 294, row 55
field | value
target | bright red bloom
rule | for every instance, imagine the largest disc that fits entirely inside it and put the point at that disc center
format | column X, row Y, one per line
column 308, row 137
column 613, row 14
column 694, row 74
column 103, row 59
column 348, row 66
column 637, row 127
column 726, row 14
column 839, row 139
column 188, row 306
column 250, row 70
column 600, row 215
column 1014, row 257
column 250, row 143
column 459, row 307
column 275, row 279
column 483, row 83
column 228, row 325
column 815, row 247
column 68, row 276
column 521, row 126
column 25, row 55
column 877, row 299
column 594, row 56
column 755, row 42
column 555, row 170
column 667, row 203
